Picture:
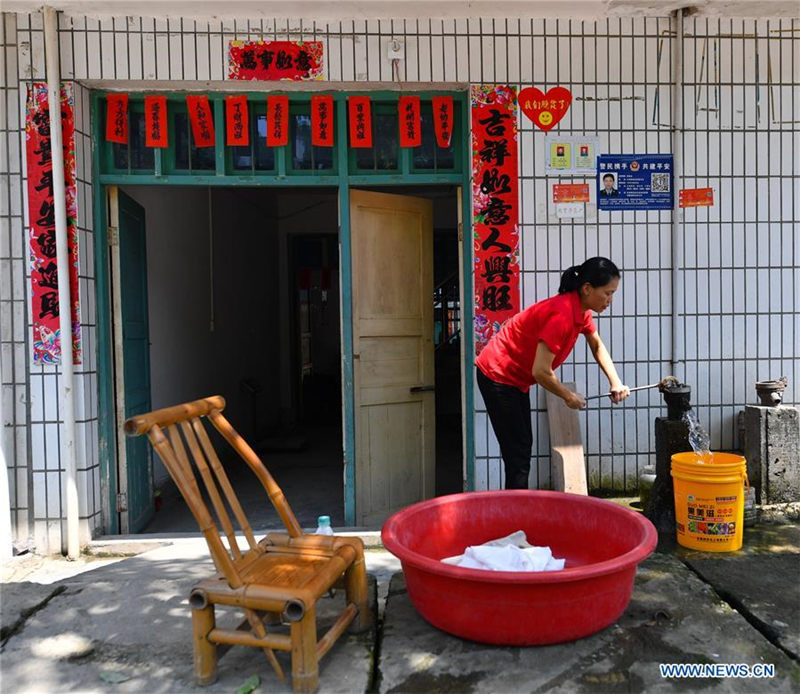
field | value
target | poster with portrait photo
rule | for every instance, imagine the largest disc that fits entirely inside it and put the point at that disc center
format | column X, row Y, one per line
column 634, row 182
column 607, row 185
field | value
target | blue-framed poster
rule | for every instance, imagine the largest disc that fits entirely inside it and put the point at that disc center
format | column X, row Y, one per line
column 634, row 182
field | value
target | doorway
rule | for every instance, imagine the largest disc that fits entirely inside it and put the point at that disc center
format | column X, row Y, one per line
column 242, row 288
column 407, row 350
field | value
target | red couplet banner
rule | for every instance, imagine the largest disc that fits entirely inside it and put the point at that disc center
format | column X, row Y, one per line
column 117, row 118
column 41, row 210
column 443, row 119
column 409, row 119
column 155, row 121
column 495, row 208
column 322, row 120
column 275, row 60
column 236, row 121
column 359, row 113
column 277, row 121
column 201, row 120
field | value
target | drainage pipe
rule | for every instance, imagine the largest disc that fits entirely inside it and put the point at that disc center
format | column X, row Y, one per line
column 67, row 380
column 6, row 547
column 677, row 260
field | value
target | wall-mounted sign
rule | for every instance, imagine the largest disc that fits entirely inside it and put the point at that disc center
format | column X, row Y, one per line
column 571, row 192
column 696, row 197
column 545, row 110
column 634, row 182
column 570, row 155
column 495, row 209
column 275, row 60
column 570, row 210
column 41, row 210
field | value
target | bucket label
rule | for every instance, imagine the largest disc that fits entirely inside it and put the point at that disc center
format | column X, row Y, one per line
column 704, row 528
column 713, row 519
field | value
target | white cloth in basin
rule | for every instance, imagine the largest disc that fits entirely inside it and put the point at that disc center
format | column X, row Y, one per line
column 510, row 553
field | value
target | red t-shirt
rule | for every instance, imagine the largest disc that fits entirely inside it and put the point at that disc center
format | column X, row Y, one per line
column 557, row 321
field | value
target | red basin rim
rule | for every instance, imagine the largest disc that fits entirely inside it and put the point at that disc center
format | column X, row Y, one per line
column 576, row 573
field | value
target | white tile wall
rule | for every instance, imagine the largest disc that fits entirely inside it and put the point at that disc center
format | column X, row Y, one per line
column 741, row 255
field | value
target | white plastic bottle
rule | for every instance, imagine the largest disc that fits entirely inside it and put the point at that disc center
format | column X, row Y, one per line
column 324, row 526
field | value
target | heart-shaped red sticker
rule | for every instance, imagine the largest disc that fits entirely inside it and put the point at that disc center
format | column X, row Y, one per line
column 545, row 110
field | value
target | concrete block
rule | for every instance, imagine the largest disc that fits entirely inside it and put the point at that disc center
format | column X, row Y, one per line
column 772, row 449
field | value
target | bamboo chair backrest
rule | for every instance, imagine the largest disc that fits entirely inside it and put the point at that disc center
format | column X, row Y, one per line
column 175, row 430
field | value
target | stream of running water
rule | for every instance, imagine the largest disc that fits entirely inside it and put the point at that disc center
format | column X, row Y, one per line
column 698, row 437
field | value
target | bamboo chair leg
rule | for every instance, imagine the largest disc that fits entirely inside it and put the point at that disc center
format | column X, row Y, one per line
column 205, row 651
column 260, row 630
column 356, row 591
column 305, row 666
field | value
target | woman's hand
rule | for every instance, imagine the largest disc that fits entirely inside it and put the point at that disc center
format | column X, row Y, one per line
column 575, row 401
column 619, row 392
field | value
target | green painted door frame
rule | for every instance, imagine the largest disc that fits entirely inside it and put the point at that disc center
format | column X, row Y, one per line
column 342, row 180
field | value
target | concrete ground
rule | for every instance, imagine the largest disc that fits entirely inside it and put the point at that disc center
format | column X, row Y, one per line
column 121, row 623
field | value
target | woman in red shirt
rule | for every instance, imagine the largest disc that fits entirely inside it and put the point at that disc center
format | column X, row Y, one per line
column 533, row 343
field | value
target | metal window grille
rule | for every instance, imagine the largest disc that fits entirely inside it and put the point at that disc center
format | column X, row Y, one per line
column 740, row 136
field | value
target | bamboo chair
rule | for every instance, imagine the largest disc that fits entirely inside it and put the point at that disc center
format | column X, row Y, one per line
column 280, row 577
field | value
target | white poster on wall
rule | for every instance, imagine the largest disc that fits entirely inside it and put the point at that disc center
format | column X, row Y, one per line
column 571, row 155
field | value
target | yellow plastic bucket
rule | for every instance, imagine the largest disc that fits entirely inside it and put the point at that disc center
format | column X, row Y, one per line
column 709, row 500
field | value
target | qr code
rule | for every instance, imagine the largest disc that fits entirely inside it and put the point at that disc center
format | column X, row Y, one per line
column 659, row 183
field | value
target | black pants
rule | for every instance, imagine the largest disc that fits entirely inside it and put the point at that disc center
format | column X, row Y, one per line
column 510, row 413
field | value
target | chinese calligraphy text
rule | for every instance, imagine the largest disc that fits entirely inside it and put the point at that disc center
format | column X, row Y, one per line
column 275, row 60
column 44, row 264
column 155, row 121
column 360, row 121
column 202, row 122
column 277, row 121
column 495, row 209
column 236, row 121
column 322, row 120
column 117, row 118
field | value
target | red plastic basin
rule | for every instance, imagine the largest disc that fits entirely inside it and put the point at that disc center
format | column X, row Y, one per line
column 601, row 541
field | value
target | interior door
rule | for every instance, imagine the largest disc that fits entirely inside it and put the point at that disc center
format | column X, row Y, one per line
column 132, row 357
column 393, row 355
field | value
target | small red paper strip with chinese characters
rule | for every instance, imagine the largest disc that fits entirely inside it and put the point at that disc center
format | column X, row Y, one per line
column 277, row 121
column 409, row 120
column 236, row 121
column 155, row 121
column 696, row 197
column 359, row 114
column 117, row 118
column 495, row 209
column 571, row 192
column 41, row 211
column 275, row 60
column 322, row 120
column 201, row 120
column 443, row 119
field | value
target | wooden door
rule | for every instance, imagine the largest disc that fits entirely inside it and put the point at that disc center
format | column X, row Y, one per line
column 393, row 357
column 132, row 357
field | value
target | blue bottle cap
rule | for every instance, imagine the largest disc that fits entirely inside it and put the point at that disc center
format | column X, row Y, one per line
column 324, row 520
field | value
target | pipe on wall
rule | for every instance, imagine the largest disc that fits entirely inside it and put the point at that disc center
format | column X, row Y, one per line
column 678, row 336
column 67, row 380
